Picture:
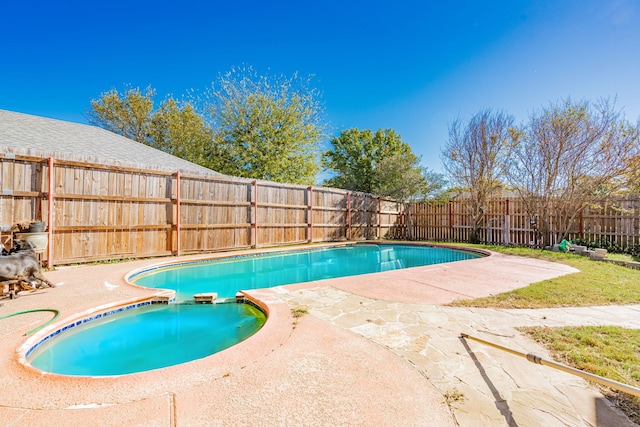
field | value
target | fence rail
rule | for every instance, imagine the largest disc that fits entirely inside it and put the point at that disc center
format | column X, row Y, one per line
column 506, row 221
column 96, row 212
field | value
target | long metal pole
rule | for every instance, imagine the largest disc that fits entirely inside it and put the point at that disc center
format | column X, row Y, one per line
column 540, row 361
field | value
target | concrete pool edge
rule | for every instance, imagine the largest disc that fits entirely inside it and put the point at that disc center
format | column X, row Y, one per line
column 264, row 362
column 167, row 296
column 159, row 295
column 82, row 318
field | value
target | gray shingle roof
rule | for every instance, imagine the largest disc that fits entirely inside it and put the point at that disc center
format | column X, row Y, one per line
column 24, row 134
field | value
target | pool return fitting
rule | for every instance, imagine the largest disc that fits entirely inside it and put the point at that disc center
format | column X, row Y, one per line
column 540, row 361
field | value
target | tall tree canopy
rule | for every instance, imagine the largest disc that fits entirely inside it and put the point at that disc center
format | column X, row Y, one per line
column 127, row 113
column 475, row 157
column 247, row 125
column 267, row 127
column 380, row 163
column 182, row 132
column 355, row 156
column 174, row 127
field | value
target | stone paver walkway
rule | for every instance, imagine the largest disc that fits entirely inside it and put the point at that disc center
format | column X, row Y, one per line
column 484, row 386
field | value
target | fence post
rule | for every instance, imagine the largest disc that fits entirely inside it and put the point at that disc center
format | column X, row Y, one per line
column 50, row 196
column 507, row 224
column 348, row 215
column 178, row 231
column 379, row 217
column 450, row 220
column 310, row 215
column 255, row 214
column 580, row 224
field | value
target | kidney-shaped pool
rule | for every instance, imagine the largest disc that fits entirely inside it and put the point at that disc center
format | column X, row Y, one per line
column 147, row 336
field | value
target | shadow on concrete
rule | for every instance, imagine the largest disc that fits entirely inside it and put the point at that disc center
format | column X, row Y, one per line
column 606, row 416
column 501, row 404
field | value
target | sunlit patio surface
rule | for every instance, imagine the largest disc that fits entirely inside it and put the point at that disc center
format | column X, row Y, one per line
column 376, row 349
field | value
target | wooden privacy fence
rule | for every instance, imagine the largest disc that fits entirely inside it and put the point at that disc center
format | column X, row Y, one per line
column 506, row 222
column 97, row 212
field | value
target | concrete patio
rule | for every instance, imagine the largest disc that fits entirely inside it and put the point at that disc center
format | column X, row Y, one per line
column 376, row 349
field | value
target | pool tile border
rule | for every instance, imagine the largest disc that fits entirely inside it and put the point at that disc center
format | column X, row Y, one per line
column 86, row 320
column 79, row 319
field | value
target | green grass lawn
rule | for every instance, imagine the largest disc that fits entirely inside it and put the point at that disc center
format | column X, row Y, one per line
column 597, row 283
column 610, row 352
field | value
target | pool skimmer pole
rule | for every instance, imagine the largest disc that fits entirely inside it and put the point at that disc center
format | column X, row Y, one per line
column 540, row 361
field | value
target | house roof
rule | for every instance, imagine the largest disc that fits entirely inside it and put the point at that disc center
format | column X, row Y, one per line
column 27, row 135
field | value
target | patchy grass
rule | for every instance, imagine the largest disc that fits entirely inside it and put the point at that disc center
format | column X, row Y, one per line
column 299, row 312
column 597, row 283
column 623, row 257
column 608, row 351
column 453, row 396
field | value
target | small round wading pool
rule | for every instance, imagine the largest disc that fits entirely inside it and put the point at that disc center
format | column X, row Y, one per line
column 146, row 336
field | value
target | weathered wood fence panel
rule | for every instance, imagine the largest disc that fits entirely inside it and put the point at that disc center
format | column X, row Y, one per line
column 282, row 214
column 506, row 221
column 21, row 184
column 617, row 221
column 100, row 212
column 329, row 214
column 215, row 214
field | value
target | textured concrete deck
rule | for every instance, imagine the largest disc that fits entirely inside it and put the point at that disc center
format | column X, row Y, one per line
column 376, row 349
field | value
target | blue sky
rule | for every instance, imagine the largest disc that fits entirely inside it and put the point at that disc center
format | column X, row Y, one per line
column 413, row 66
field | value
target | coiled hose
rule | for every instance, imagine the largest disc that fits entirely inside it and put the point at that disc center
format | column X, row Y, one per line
column 53, row 310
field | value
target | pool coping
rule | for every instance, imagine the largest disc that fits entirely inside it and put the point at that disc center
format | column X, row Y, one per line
column 168, row 296
column 183, row 393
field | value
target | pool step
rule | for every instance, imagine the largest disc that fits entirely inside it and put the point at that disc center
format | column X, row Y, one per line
column 206, row 297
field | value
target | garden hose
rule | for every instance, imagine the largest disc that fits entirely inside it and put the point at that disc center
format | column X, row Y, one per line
column 53, row 310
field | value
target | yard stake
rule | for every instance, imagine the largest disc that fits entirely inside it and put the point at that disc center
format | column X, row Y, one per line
column 540, row 361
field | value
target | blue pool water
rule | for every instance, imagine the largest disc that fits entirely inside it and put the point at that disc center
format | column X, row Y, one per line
column 229, row 275
column 155, row 336
column 148, row 338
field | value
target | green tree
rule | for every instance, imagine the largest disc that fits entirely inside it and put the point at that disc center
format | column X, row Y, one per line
column 355, row 156
column 401, row 178
column 127, row 113
column 267, row 127
column 175, row 127
column 182, row 132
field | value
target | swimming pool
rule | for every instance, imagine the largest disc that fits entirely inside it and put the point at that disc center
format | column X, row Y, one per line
column 227, row 276
column 148, row 336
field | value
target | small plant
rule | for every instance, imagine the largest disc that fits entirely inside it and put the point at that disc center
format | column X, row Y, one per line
column 453, row 396
column 299, row 312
